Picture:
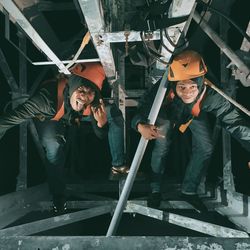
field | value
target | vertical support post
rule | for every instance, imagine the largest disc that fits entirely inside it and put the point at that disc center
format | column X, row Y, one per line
column 94, row 17
column 228, row 181
column 245, row 46
column 121, row 93
column 122, row 181
column 22, row 176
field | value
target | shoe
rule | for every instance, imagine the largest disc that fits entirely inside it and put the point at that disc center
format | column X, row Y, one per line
column 59, row 205
column 120, row 170
column 195, row 201
column 154, row 200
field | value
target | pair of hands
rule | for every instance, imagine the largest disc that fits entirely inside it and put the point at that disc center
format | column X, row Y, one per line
column 149, row 132
column 100, row 114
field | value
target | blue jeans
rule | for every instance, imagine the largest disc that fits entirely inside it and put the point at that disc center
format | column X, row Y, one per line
column 202, row 149
column 115, row 134
column 53, row 139
column 53, row 136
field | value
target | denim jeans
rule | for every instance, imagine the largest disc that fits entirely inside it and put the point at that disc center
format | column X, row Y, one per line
column 53, row 139
column 53, row 136
column 115, row 134
column 202, row 149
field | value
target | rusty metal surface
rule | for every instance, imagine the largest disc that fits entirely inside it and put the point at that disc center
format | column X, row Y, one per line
column 118, row 243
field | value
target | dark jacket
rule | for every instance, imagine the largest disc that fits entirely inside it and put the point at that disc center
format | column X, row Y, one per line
column 44, row 105
column 179, row 113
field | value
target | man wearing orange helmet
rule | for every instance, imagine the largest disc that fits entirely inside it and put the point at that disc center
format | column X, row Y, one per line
column 185, row 106
column 59, row 104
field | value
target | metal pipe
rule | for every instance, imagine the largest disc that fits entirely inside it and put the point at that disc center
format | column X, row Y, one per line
column 137, row 158
column 67, row 61
column 94, row 17
column 236, row 104
column 22, row 21
column 222, row 45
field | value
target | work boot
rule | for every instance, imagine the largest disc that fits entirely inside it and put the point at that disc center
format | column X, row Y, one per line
column 120, row 170
column 195, row 201
column 116, row 173
column 154, row 200
column 59, row 205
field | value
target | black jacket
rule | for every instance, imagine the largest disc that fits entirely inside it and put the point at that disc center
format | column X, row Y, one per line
column 180, row 113
column 44, row 105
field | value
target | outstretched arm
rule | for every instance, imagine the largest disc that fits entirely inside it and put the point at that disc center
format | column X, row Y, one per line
column 39, row 104
column 232, row 120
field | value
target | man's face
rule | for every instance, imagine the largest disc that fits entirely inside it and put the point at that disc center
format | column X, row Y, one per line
column 81, row 98
column 187, row 90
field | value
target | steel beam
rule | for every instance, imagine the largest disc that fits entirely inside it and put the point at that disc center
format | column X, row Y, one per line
column 245, row 46
column 30, row 9
column 228, row 87
column 238, row 209
column 93, row 14
column 190, row 223
column 46, row 205
column 21, row 199
column 22, row 21
column 104, row 186
column 7, row 72
column 23, row 144
column 233, row 205
column 67, row 61
column 57, row 221
column 123, row 243
column 222, row 45
column 13, row 215
column 134, row 36
column 177, row 9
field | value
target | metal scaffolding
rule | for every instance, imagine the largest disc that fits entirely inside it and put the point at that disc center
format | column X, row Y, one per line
column 226, row 200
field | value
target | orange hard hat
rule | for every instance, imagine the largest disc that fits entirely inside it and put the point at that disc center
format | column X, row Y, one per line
column 93, row 71
column 186, row 65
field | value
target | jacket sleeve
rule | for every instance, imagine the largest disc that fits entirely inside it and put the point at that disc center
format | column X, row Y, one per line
column 40, row 104
column 230, row 117
column 144, row 106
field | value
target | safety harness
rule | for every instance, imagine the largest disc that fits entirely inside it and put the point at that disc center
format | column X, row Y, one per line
column 195, row 109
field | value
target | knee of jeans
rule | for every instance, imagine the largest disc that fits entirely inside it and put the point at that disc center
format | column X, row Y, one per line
column 113, row 111
column 117, row 121
column 161, row 146
column 206, row 150
column 53, row 150
column 157, row 168
column 53, row 140
column 53, row 143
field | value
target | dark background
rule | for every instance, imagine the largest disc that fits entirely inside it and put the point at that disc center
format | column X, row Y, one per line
column 90, row 166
